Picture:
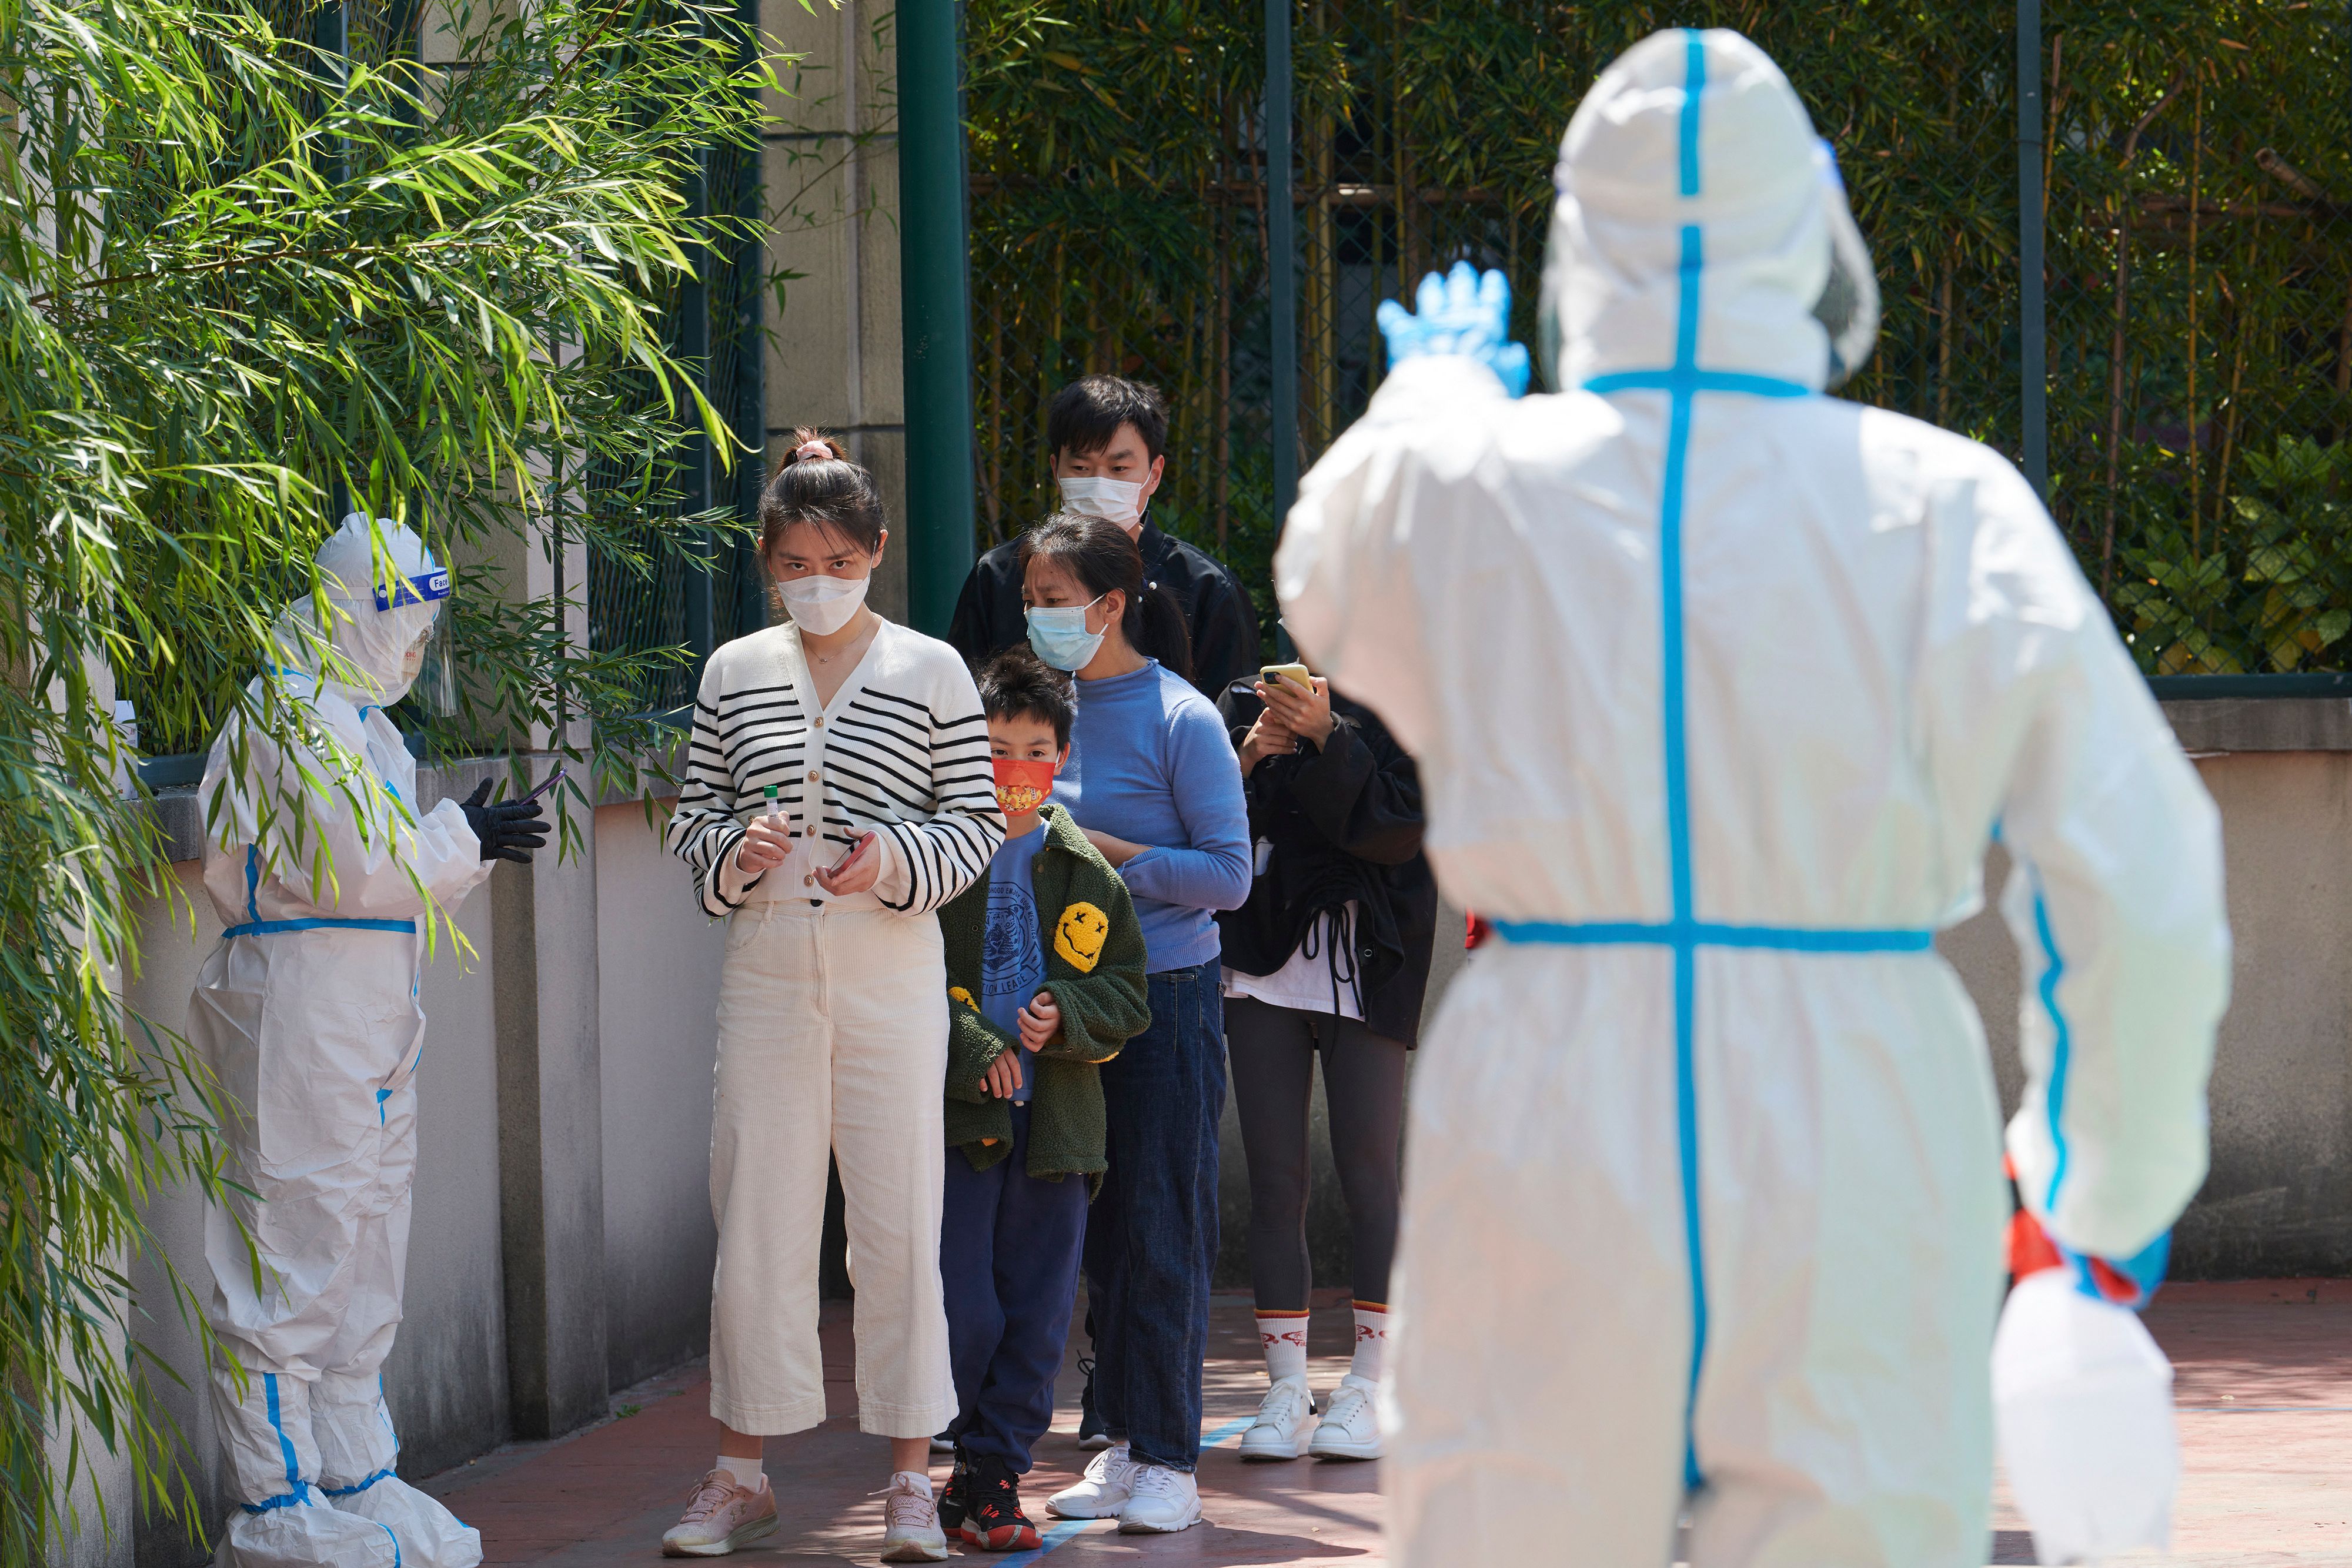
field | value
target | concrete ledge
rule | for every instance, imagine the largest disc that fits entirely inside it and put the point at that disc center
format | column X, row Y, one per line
column 2263, row 724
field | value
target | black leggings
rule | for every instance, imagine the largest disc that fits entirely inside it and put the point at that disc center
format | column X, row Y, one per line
column 1273, row 1051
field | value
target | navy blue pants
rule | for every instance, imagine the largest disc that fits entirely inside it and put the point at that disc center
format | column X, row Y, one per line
column 1152, row 1238
column 1009, row 1245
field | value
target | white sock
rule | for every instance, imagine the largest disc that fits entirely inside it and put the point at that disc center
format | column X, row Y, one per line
column 750, row 1472
column 1371, row 1340
column 1283, row 1337
column 921, row 1482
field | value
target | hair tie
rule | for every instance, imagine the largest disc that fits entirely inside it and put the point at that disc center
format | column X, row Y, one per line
column 812, row 452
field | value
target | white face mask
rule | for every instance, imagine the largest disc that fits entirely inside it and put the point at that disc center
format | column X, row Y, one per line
column 823, row 605
column 1117, row 501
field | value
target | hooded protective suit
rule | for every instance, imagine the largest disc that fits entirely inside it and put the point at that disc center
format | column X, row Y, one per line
column 1719, row 689
column 309, row 1010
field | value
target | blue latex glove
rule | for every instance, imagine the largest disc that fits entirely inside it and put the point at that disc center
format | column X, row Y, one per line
column 1459, row 314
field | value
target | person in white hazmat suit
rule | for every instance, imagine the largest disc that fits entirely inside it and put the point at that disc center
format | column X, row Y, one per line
column 1719, row 689
column 320, row 863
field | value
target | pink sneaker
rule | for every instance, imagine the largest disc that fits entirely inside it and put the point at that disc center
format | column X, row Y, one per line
column 721, row 1517
column 911, row 1524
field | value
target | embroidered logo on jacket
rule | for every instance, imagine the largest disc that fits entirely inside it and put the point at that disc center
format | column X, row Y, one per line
column 1079, row 935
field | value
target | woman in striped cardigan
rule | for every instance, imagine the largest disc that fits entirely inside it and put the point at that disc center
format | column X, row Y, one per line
column 838, row 790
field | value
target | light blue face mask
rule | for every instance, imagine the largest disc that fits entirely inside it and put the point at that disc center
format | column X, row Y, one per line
column 1060, row 635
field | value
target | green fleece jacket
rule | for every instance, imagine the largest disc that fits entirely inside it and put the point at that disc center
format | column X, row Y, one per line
column 1093, row 970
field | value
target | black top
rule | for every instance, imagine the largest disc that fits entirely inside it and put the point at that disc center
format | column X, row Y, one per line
column 1345, row 823
column 1217, row 610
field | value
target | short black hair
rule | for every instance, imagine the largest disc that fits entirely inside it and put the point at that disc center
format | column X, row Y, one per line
column 1087, row 413
column 1016, row 683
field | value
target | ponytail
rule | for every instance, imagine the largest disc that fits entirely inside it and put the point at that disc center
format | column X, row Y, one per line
column 1103, row 557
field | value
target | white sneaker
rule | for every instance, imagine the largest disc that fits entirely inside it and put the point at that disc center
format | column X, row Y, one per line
column 1280, row 1430
column 911, row 1524
column 1102, row 1492
column 1159, row 1501
column 1351, row 1427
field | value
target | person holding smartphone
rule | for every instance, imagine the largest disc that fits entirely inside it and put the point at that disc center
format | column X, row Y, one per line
column 839, row 792
column 1151, row 781
column 1328, row 960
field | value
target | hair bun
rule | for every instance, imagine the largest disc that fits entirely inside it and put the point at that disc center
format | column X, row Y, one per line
column 814, row 450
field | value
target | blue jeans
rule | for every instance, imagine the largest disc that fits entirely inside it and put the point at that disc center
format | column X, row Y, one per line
column 1009, row 1247
column 1152, row 1237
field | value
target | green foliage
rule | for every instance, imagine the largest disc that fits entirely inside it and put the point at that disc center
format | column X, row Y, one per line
column 240, row 278
column 2199, row 162
column 2282, row 573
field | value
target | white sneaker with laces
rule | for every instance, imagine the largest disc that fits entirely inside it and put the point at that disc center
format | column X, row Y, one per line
column 1159, row 1501
column 1102, row 1492
column 1280, row 1430
column 1351, row 1427
column 910, row 1524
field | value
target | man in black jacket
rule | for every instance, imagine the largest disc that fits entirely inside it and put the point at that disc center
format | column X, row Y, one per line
column 1109, row 437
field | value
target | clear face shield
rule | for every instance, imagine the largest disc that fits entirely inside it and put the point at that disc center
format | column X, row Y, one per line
column 1848, row 308
column 429, row 662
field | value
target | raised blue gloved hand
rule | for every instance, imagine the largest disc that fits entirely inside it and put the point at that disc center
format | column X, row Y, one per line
column 1459, row 314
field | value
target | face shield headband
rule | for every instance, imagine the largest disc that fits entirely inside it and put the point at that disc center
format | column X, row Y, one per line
column 429, row 662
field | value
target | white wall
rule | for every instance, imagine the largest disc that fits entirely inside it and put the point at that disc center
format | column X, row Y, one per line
column 659, row 959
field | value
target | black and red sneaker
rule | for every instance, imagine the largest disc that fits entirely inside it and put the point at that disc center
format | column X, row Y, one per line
column 992, row 1516
column 953, row 1499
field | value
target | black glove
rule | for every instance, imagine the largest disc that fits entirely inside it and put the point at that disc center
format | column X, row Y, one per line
column 508, row 830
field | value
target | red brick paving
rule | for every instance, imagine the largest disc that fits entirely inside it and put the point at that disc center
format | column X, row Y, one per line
column 2264, row 1380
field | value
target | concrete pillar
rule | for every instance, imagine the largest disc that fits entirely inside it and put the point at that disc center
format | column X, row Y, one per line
column 832, row 173
column 549, row 1048
column 551, row 1140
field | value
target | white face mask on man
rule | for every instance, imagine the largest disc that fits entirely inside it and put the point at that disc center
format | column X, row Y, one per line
column 822, row 605
column 1117, row 501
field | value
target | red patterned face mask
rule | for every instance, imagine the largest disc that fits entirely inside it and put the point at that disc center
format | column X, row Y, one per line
column 1022, row 784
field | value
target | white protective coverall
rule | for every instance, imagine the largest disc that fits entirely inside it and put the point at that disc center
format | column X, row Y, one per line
column 309, row 1012
column 1719, row 689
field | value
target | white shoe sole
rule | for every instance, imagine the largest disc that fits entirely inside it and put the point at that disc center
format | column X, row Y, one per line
column 1138, row 1527
column 1344, row 1448
column 915, row 1552
column 759, row 1530
column 1103, row 1509
column 1267, row 1448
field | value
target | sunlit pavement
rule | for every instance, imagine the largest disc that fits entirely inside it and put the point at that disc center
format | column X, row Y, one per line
column 2264, row 1386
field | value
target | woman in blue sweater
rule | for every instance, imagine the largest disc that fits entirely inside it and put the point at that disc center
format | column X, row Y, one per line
column 1154, row 782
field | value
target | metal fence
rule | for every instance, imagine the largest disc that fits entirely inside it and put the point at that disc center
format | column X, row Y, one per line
column 2115, row 241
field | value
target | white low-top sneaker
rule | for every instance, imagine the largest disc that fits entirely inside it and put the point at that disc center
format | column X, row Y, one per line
column 1280, row 1430
column 1102, row 1492
column 910, row 1524
column 1351, row 1427
column 1160, row 1502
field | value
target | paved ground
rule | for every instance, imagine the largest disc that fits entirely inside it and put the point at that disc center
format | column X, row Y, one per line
column 2264, row 1386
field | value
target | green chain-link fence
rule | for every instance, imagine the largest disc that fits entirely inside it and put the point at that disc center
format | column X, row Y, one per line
column 2195, row 317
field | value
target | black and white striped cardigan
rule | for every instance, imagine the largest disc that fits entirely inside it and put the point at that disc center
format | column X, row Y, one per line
column 902, row 750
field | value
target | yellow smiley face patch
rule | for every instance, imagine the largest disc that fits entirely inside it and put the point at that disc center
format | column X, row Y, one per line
column 958, row 993
column 1079, row 935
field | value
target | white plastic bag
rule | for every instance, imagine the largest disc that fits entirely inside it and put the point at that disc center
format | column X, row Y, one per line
column 2083, row 1408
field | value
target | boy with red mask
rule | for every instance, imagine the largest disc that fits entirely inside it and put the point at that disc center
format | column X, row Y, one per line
column 1045, row 982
